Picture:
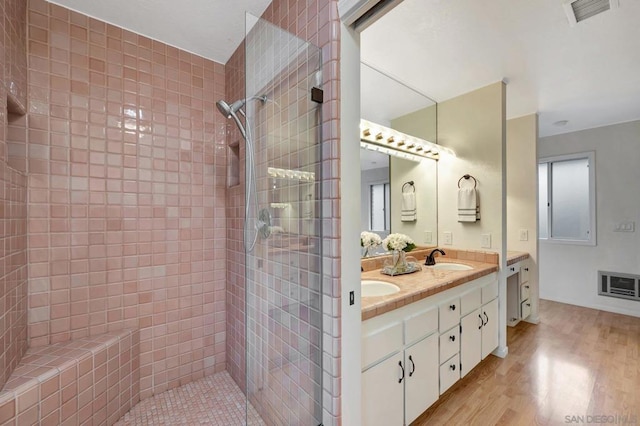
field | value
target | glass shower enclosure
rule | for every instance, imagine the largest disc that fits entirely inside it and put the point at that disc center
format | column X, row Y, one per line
column 283, row 311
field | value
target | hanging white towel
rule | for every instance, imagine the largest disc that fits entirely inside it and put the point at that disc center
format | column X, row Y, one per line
column 408, row 213
column 468, row 208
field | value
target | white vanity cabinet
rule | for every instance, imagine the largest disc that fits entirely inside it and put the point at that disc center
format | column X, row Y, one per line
column 518, row 292
column 400, row 366
column 479, row 327
column 412, row 354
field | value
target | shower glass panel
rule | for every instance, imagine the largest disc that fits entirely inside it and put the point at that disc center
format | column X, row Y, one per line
column 283, row 312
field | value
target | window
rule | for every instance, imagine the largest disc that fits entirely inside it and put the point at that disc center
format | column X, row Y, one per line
column 566, row 199
column 380, row 211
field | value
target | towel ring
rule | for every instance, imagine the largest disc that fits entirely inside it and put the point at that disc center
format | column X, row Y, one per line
column 410, row 183
column 467, row 177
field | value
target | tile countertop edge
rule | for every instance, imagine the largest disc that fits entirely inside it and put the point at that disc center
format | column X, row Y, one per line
column 412, row 291
column 516, row 256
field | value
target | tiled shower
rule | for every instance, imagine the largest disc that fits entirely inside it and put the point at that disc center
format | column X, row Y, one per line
column 118, row 214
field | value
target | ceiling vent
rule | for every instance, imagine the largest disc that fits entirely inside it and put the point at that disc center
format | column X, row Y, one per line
column 579, row 10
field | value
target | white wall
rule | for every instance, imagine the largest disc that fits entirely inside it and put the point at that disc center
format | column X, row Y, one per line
column 522, row 195
column 422, row 124
column 568, row 273
column 474, row 127
column 424, row 177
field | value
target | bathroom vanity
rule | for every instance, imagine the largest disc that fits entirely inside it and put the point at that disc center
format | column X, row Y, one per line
column 418, row 342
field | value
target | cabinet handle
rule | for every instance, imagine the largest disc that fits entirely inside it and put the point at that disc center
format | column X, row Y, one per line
column 413, row 366
column 452, row 338
column 487, row 317
column 481, row 322
column 452, row 307
column 512, row 269
column 452, row 367
column 401, row 378
column 526, row 286
column 526, row 269
column 529, row 304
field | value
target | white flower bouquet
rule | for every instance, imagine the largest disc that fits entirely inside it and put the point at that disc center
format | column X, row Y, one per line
column 369, row 240
column 399, row 242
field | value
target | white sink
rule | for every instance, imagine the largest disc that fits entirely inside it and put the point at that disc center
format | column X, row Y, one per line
column 373, row 288
column 451, row 267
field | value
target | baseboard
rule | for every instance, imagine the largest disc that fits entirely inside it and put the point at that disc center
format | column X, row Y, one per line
column 605, row 308
column 533, row 320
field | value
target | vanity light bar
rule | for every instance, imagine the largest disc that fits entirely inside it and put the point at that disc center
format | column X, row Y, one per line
column 391, row 151
column 290, row 174
column 380, row 138
column 280, row 205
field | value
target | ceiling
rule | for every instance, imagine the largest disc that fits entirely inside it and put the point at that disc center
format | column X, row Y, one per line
column 383, row 98
column 588, row 74
column 209, row 28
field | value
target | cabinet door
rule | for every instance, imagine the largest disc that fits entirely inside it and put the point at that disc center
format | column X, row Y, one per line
column 490, row 328
column 383, row 393
column 470, row 341
column 421, row 388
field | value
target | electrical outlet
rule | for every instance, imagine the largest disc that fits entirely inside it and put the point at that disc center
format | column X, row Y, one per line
column 524, row 235
column 428, row 237
column 624, row 227
column 485, row 240
column 448, row 238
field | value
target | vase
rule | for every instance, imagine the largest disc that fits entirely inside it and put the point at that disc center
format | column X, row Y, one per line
column 400, row 261
column 365, row 251
column 396, row 264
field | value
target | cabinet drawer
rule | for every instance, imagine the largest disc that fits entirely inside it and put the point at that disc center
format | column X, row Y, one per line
column 449, row 373
column 470, row 301
column 420, row 325
column 489, row 292
column 449, row 313
column 524, row 292
column 381, row 343
column 525, row 309
column 450, row 343
column 524, row 272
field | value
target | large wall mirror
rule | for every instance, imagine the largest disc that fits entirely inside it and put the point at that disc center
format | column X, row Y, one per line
column 387, row 101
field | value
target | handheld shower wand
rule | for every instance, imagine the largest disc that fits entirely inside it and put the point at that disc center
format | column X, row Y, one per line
column 251, row 195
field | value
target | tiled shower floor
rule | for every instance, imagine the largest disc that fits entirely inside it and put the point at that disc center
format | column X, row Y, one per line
column 212, row 400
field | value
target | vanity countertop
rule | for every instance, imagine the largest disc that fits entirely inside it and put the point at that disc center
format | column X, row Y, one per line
column 421, row 284
column 516, row 256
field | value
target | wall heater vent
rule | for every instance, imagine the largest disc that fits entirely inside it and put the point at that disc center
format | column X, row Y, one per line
column 623, row 286
column 579, row 10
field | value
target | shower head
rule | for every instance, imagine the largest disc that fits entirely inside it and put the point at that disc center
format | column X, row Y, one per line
column 228, row 110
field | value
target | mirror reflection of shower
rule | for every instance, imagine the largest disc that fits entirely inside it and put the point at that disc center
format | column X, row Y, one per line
column 251, row 194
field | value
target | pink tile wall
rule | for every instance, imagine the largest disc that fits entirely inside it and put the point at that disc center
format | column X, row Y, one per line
column 126, row 162
column 93, row 380
column 13, row 193
column 317, row 22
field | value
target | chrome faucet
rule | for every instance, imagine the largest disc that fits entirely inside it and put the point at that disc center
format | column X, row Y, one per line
column 430, row 261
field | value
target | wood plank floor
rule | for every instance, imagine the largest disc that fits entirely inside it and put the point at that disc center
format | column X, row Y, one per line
column 576, row 362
